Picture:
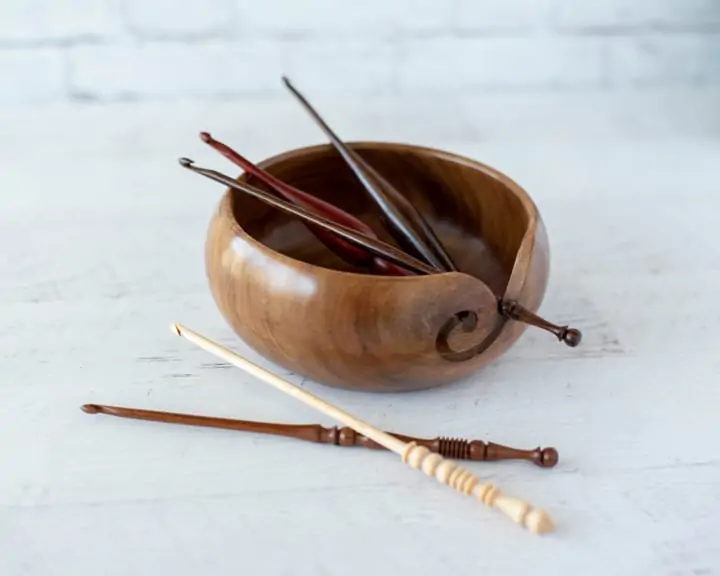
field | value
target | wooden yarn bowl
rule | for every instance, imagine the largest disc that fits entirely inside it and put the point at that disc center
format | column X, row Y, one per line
column 296, row 303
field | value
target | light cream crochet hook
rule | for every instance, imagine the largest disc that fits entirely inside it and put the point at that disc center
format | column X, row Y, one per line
column 418, row 457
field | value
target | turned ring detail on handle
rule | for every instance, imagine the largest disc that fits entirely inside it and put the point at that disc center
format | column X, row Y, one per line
column 450, row 473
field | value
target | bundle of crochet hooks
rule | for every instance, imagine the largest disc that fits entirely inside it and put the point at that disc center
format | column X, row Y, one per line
column 414, row 455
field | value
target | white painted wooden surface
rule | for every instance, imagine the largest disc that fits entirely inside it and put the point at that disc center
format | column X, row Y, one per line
column 92, row 273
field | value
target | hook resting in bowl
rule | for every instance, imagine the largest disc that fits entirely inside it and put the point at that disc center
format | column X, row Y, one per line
column 403, row 221
column 350, row 253
column 507, row 310
column 354, row 237
column 511, row 309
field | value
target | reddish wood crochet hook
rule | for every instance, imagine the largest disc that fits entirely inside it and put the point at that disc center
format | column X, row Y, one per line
column 381, row 250
column 348, row 252
column 456, row 448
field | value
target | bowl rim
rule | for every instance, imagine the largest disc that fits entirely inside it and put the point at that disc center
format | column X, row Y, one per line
column 517, row 276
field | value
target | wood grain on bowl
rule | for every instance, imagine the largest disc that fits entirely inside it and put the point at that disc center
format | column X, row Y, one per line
column 297, row 303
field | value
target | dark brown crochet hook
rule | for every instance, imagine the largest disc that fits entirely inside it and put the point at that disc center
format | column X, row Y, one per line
column 456, row 448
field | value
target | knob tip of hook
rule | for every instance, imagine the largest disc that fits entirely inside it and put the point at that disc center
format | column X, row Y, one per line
column 548, row 457
column 572, row 337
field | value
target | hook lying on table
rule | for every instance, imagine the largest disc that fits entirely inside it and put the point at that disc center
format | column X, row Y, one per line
column 461, row 449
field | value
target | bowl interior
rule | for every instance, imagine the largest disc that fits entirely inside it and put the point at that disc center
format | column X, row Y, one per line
column 478, row 214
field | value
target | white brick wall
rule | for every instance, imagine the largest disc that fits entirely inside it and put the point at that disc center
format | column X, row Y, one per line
column 664, row 59
column 496, row 63
column 31, row 77
column 33, row 22
column 172, row 19
column 212, row 69
column 623, row 14
column 364, row 19
column 105, row 50
column 502, row 17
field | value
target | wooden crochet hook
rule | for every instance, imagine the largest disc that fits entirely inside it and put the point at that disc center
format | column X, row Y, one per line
column 419, row 457
column 373, row 245
column 402, row 219
column 475, row 450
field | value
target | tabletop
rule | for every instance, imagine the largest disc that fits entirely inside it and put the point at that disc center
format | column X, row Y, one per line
column 102, row 236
